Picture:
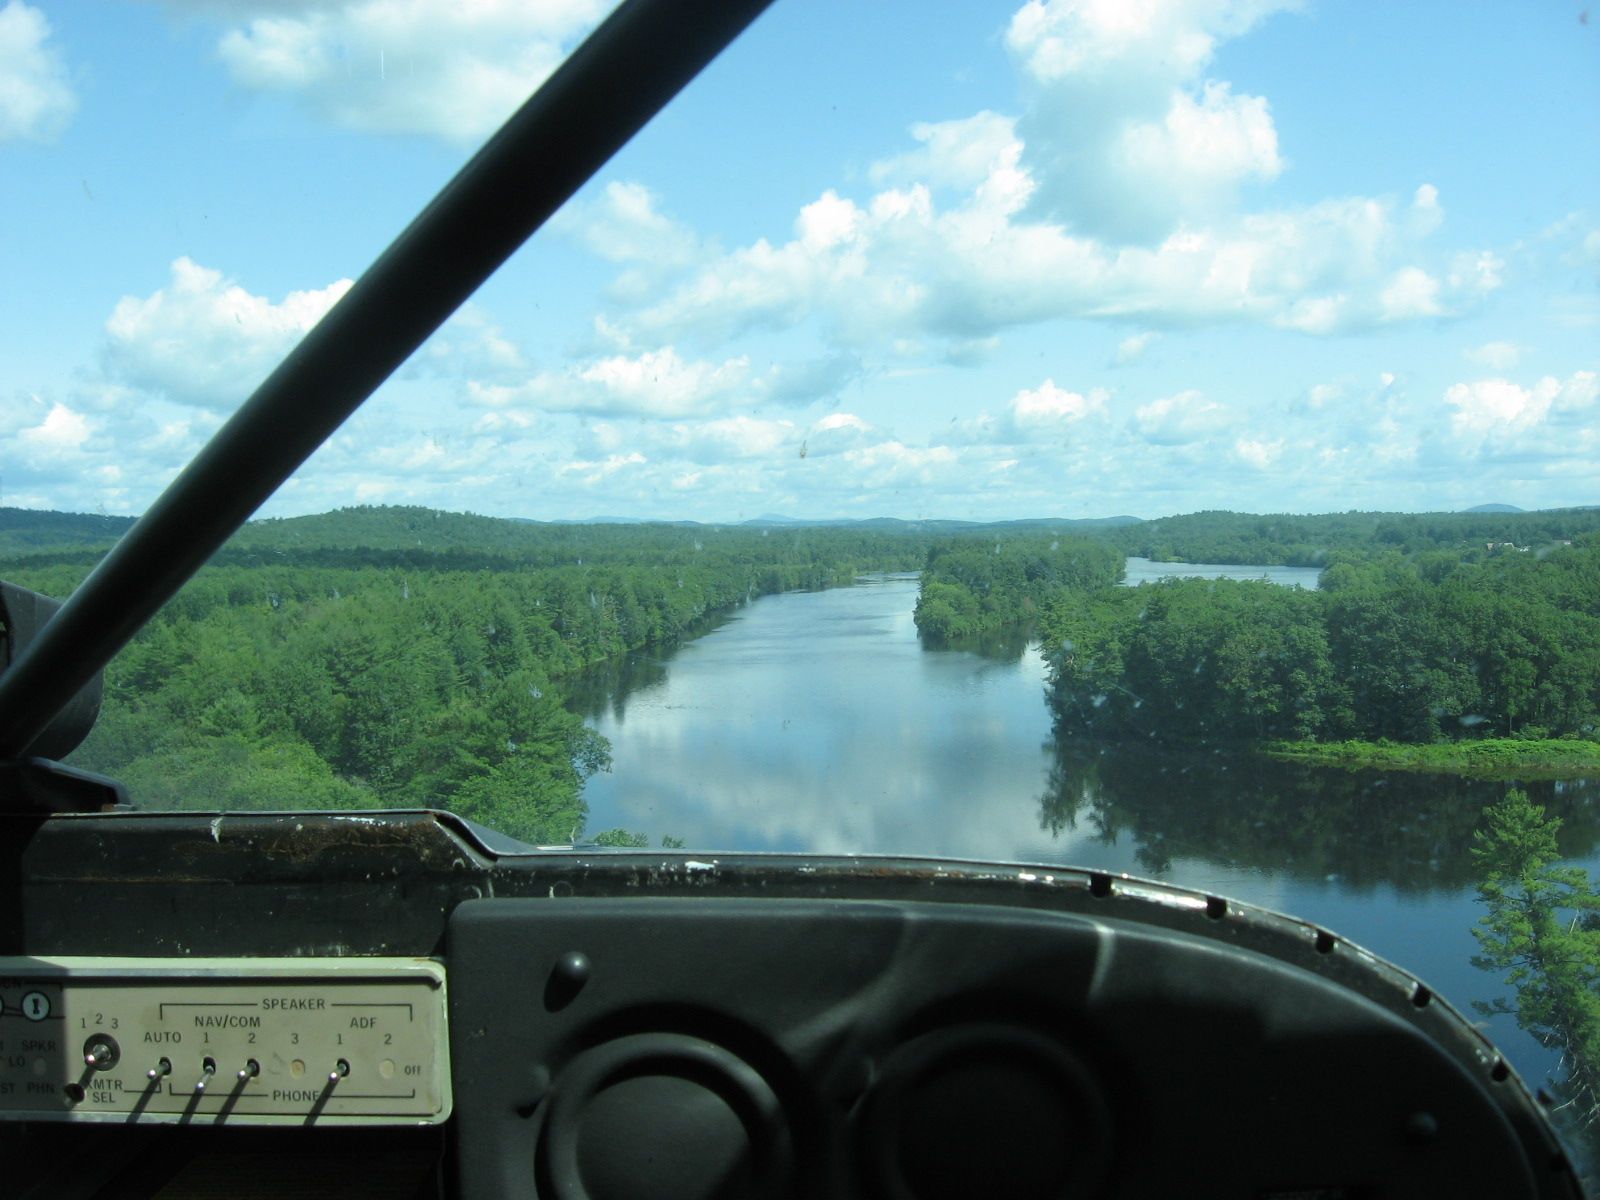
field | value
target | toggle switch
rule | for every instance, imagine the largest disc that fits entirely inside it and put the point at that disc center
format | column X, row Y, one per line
column 340, row 1070
column 100, row 1052
column 249, row 1071
column 160, row 1070
column 208, row 1068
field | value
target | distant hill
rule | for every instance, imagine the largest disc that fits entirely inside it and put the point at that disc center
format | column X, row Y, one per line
column 25, row 530
column 412, row 536
column 1494, row 508
column 939, row 524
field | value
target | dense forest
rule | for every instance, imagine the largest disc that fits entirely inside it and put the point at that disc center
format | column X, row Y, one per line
column 1412, row 648
column 974, row 586
column 1315, row 541
column 404, row 656
column 1425, row 629
column 430, row 667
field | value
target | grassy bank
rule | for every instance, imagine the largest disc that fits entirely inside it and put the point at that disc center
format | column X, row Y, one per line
column 1489, row 758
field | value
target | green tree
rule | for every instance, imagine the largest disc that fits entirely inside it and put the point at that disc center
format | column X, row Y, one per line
column 1541, row 931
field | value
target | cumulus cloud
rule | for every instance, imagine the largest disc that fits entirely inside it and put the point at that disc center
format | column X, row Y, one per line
column 655, row 383
column 61, row 431
column 1179, row 419
column 1126, row 137
column 663, row 384
column 1044, row 415
column 1412, row 292
column 1049, row 406
column 36, row 99
column 1115, row 195
column 1491, row 408
column 435, row 67
column 625, row 224
column 902, row 268
column 962, row 154
column 92, row 448
column 203, row 340
column 1257, row 452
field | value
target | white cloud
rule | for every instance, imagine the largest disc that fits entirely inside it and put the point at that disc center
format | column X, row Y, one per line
column 1168, row 39
column 663, row 384
column 1476, row 272
column 589, row 474
column 1040, row 416
column 738, row 437
column 36, row 99
column 1126, row 137
column 963, row 154
column 1488, row 403
column 1179, row 419
column 655, row 383
column 203, row 340
column 468, row 345
column 1131, row 349
column 659, row 382
column 1499, row 355
column 1051, row 406
column 1426, row 214
column 1491, row 405
column 1114, row 196
column 902, row 268
column 1219, row 137
column 61, row 431
column 626, row 225
column 1256, row 452
column 1412, row 292
column 437, row 67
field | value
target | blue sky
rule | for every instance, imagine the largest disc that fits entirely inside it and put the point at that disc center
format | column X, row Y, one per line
column 974, row 260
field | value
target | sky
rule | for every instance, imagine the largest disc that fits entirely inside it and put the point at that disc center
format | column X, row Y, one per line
column 912, row 258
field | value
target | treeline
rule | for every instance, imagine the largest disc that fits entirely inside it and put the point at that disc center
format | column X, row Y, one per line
column 1417, row 648
column 1314, row 541
column 974, row 586
column 405, row 681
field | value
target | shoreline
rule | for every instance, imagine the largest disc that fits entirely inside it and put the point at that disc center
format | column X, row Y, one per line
column 1487, row 758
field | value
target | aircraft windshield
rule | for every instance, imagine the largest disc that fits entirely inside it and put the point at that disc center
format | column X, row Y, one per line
column 1156, row 436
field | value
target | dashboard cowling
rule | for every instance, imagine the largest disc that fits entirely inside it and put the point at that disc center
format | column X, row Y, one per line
column 840, row 1025
column 918, row 1050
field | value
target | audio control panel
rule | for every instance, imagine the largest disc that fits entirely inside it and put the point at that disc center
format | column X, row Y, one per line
column 248, row 1041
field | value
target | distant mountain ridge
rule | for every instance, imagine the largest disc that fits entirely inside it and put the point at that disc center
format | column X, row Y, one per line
column 411, row 531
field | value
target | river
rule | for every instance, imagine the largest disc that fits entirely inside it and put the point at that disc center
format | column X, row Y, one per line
column 817, row 721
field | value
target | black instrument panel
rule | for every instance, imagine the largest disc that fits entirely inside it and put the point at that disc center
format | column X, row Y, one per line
column 660, row 1025
column 673, row 1047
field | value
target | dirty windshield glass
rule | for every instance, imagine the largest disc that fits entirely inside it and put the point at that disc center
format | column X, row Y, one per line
column 1156, row 436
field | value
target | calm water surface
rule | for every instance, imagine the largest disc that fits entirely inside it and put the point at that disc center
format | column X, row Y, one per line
column 1144, row 570
column 817, row 721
